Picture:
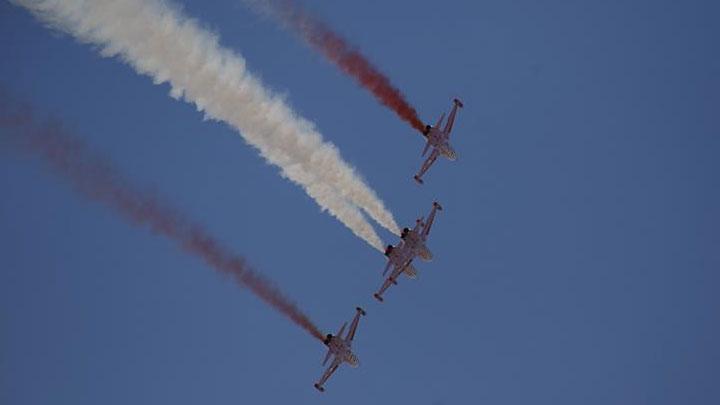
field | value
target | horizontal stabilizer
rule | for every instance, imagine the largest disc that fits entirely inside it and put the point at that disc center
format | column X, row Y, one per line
column 327, row 357
column 410, row 271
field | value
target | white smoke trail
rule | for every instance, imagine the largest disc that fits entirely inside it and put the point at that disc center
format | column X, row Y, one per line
column 158, row 41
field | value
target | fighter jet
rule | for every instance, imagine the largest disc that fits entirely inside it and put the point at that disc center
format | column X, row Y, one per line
column 340, row 347
column 439, row 140
column 412, row 245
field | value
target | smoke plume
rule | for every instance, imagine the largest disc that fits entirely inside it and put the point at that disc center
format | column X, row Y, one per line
column 158, row 41
column 346, row 57
column 96, row 179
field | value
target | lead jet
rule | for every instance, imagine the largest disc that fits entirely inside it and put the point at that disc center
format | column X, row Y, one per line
column 439, row 140
column 340, row 347
column 412, row 244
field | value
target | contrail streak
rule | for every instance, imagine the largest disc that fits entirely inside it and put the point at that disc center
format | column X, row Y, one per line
column 158, row 41
column 96, row 179
column 345, row 56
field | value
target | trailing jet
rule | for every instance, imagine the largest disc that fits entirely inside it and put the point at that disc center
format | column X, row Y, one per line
column 412, row 244
column 340, row 347
column 439, row 140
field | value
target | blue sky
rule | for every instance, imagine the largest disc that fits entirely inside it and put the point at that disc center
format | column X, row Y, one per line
column 576, row 260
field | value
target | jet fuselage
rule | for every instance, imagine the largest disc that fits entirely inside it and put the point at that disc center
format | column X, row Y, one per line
column 416, row 244
column 438, row 139
column 339, row 347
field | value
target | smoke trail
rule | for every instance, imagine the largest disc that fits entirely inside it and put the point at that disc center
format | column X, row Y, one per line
column 96, row 179
column 158, row 41
column 335, row 48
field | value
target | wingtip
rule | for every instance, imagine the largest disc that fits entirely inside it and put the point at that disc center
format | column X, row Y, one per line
column 319, row 388
column 418, row 179
column 437, row 205
column 458, row 102
column 378, row 297
column 361, row 311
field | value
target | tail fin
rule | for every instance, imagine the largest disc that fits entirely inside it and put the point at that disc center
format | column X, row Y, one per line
column 427, row 147
column 327, row 357
column 342, row 328
column 439, row 123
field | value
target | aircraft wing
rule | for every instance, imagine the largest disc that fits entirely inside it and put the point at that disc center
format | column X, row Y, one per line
column 397, row 271
column 353, row 326
column 427, row 163
column 330, row 370
column 451, row 118
column 386, row 284
column 430, row 220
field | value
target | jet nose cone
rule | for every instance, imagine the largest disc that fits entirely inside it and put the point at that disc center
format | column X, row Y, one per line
column 451, row 155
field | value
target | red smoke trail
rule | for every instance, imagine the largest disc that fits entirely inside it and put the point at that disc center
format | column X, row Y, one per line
column 349, row 60
column 98, row 180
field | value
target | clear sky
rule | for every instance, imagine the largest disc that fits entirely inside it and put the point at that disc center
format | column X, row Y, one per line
column 576, row 260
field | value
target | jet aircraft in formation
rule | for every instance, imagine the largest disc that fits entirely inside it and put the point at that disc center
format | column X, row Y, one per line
column 439, row 140
column 412, row 244
column 341, row 348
